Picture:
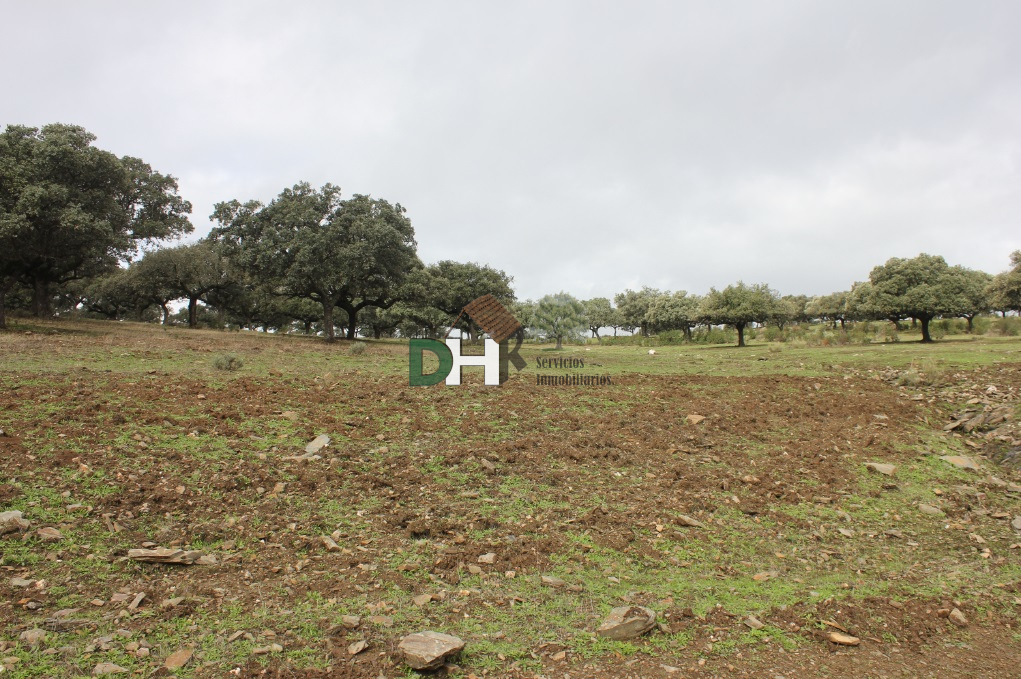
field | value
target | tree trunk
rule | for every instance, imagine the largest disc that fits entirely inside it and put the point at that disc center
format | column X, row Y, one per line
column 925, row 329
column 687, row 332
column 970, row 321
column 559, row 345
column 328, row 320
column 914, row 322
column 41, row 298
column 740, row 333
column 841, row 324
column 193, row 310
column 377, row 333
column 352, row 326
column 166, row 313
column 3, row 305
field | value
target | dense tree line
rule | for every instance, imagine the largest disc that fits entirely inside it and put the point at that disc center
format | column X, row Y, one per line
column 82, row 229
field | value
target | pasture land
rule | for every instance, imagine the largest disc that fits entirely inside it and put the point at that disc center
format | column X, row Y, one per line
column 121, row 436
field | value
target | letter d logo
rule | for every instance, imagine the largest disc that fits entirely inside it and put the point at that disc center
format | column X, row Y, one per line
column 416, row 348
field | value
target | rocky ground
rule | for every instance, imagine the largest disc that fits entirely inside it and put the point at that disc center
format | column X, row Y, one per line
column 304, row 515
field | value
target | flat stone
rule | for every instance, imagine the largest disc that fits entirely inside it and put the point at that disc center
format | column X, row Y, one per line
column 172, row 556
column 960, row 461
column 685, row 520
column 106, row 668
column 627, row 622
column 929, row 510
column 695, row 419
column 49, row 534
column 317, row 444
column 553, row 581
column 881, row 467
column 178, row 659
column 422, row 599
column 754, row 622
column 488, row 558
column 21, row 582
column 429, row 650
column 843, row 639
column 350, row 621
column 357, row 647
column 12, row 521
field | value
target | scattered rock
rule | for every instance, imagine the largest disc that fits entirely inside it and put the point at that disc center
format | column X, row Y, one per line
column 105, row 668
column 265, row 650
column 764, row 575
column 178, row 659
column 553, row 581
column 960, row 461
column 627, row 622
column 329, row 543
column 171, row 556
column 317, row 444
column 422, row 599
column 49, row 534
column 357, row 647
column 958, row 618
column 11, row 522
column 843, row 639
column 1016, row 523
column 488, row 558
column 881, row 467
column 289, row 415
column 753, row 622
column 350, row 621
column 685, row 520
column 930, row 510
column 429, row 650
column 695, row 419
column 32, row 637
column 21, row 582
column 381, row 620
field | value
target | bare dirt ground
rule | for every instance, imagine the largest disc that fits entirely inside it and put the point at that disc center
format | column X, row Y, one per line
column 130, row 438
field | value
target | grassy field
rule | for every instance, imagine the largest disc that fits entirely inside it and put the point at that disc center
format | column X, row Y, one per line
column 121, row 436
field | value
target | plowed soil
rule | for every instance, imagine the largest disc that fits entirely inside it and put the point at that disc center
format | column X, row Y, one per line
column 595, row 485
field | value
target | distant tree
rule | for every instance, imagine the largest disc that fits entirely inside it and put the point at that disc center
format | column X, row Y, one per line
column 599, row 314
column 524, row 312
column 1005, row 288
column 922, row 288
column 560, row 316
column 789, row 309
column 114, row 296
column 972, row 297
column 189, row 271
column 347, row 254
column 71, row 211
column 453, row 285
column 831, row 308
column 674, row 311
column 738, row 305
column 633, row 307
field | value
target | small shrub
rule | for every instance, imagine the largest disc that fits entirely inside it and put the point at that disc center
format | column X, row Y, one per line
column 909, row 378
column 357, row 349
column 228, row 362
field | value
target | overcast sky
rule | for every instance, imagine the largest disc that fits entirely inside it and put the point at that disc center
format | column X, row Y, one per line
column 580, row 146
